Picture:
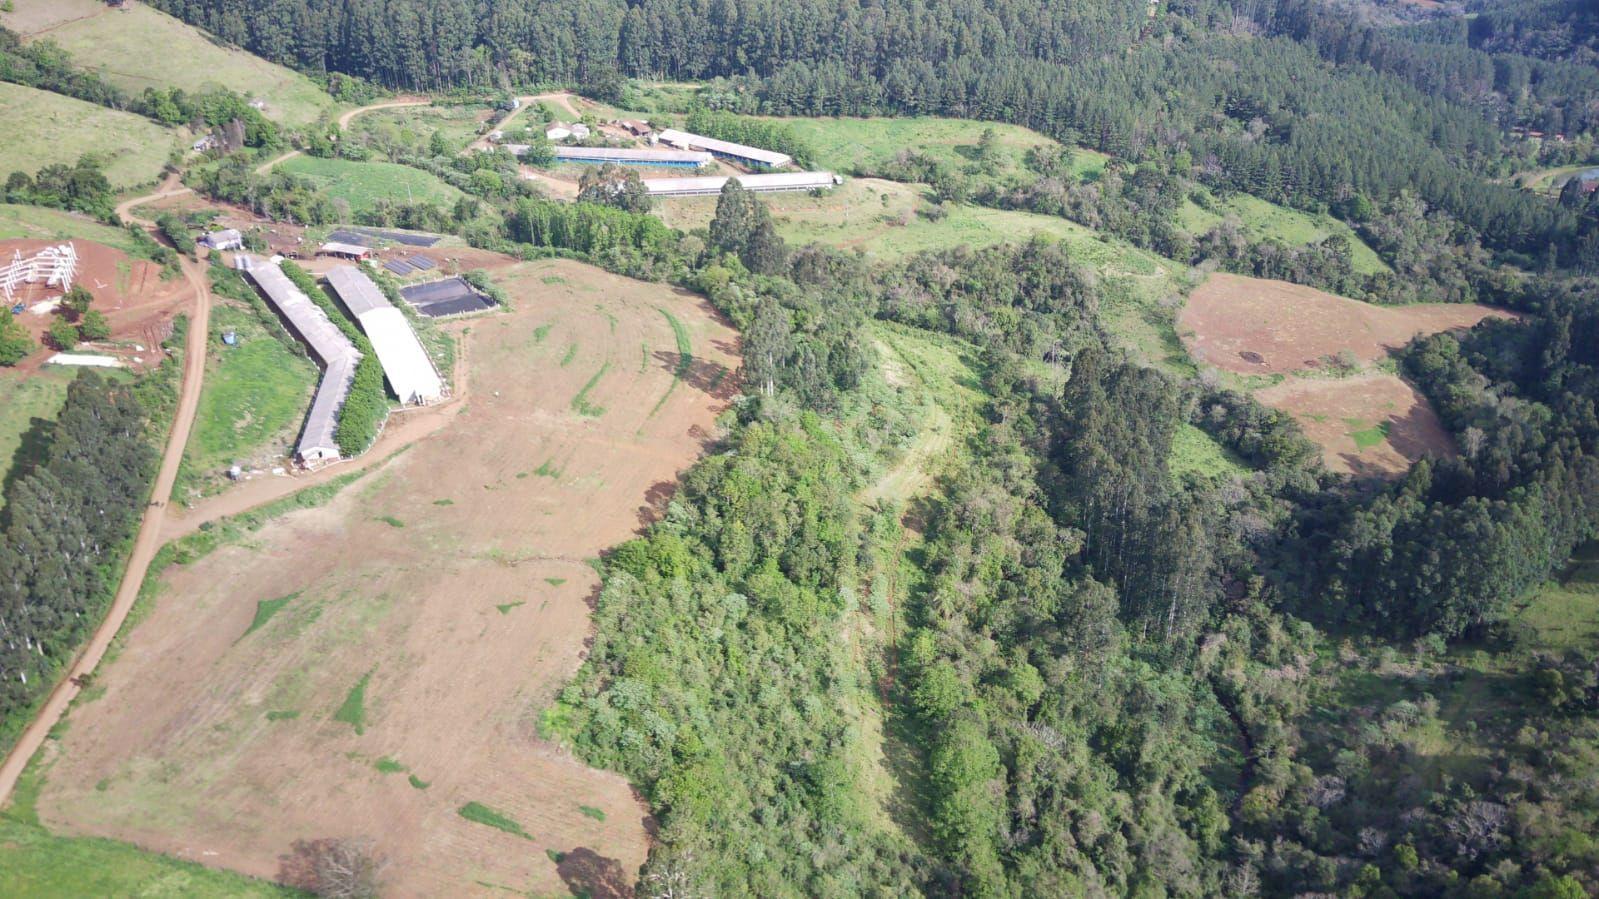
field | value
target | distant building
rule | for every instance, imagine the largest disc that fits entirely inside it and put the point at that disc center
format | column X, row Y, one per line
column 635, row 127
column 725, row 149
column 575, row 131
column 776, row 182
column 633, row 156
column 208, row 142
column 226, row 239
column 344, row 250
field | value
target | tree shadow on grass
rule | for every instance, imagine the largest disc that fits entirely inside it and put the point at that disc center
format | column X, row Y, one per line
column 30, row 454
column 589, row 874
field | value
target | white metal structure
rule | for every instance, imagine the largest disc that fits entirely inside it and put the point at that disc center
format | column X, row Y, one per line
column 410, row 372
column 318, row 442
column 226, row 239
column 633, row 156
column 56, row 266
column 739, row 152
column 777, row 182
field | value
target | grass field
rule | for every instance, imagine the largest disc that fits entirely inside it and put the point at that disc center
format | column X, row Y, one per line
column 459, row 123
column 37, row 396
column 363, row 184
column 846, row 145
column 37, row 863
column 37, row 223
column 251, row 406
column 1261, row 220
column 1195, row 452
column 139, row 47
column 44, row 128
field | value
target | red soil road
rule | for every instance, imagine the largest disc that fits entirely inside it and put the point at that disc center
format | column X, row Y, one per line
column 1332, row 410
column 145, row 543
column 455, row 575
column 1256, row 326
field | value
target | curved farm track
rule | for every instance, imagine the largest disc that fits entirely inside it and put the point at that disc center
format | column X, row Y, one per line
column 434, row 608
column 148, row 540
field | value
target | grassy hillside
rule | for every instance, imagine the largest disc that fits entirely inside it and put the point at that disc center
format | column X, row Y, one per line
column 138, row 47
column 36, row 223
column 43, row 128
column 1262, row 220
column 363, row 184
column 848, row 144
column 37, row 396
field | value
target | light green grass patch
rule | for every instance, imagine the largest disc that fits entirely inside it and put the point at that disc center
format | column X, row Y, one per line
column 253, row 400
column 571, row 354
column 592, row 812
column 417, row 782
column 29, row 399
column 1262, row 220
column 138, row 47
column 1367, row 437
column 36, row 222
column 353, row 710
column 555, row 581
column 265, row 609
column 391, row 521
column 506, row 607
column 478, row 813
column 363, row 184
column 389, row 765
column 847, row 144
column 283, row 715
column 44, row 128
column 581, row 404
column 37, row 863
column 1195, row 452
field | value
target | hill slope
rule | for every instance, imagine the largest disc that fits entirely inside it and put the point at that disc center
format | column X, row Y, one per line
column 138, row 47
column 44, row 128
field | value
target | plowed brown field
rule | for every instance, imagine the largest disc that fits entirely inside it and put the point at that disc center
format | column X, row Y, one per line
column 1256, row 326
column 454, row 582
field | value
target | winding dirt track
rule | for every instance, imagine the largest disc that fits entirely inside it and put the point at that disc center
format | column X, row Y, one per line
column 149, row 538
column 344, row 122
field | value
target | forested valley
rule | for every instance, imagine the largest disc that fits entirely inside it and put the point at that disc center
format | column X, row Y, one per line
column 1114, row 678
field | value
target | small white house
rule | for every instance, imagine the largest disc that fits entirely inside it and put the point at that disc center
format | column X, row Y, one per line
column 557, row 131
column 580, row 130
column 226, row 239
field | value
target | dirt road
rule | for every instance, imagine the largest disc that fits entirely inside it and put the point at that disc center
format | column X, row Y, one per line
column 344, row 123
column 149, row 538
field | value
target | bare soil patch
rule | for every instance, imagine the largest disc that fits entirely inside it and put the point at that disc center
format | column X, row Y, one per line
column 1368, row 425
column 1256, row 326
column 130, row 293
column 454, row 583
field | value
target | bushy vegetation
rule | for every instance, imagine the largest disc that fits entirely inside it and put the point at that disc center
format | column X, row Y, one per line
column 751, row 132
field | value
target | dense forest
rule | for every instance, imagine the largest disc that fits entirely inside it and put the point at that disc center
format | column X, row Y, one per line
column 1281, row 99
column 1114, row 678
column 68, row 511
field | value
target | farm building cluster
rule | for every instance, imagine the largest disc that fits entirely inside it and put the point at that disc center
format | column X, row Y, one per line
column 337, row 355
column 410, row 372
column 671, row 148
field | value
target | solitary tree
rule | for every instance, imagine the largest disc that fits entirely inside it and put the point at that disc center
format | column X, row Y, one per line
column 77, row 300
column 63, row 335
column 94, row 326
column 334, row 869
column 614, row 185
column 743, row 227
column 14, row 341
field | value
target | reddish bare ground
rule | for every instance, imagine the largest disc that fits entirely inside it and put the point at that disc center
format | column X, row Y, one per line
column 456, row 575
column 129, row 292
column 1332, row 411
column 1256, row 326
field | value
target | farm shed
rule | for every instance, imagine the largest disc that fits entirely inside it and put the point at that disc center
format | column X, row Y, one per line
column 710, row 186
column 411, row 374
column 226, row 239
column 635, row 127
column 725, row 149
column 633, row 156
column 344, row 250
column 328, row 344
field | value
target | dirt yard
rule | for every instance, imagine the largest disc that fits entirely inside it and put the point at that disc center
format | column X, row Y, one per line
column 1255, row 326
column 434, row 608
column 1368, row 425
column 129, row 292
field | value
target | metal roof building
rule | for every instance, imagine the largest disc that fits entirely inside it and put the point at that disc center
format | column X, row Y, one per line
column 226, row 239
column 337, row 354
column 754, row 155
column 339, row 248
column 776, row 182
column 634, row 156
column 410, row 372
